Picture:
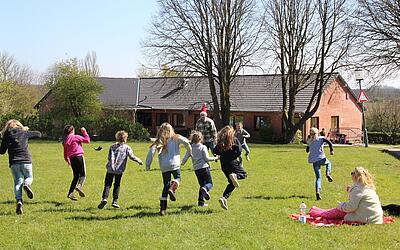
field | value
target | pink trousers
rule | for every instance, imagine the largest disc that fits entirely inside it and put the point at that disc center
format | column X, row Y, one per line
column 332, row 213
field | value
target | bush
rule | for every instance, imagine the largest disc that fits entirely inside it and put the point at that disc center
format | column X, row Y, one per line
column 298, row 137
column 382, row 138
column 29, row 120
column 109, row 126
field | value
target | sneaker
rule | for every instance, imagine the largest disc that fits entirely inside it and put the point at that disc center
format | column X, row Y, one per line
column 28, row 191
column 80, row 192
column 18, row 210
column 318, row 196
column 163, row 212
column 103, row 202
column 115, row 205
column 247, row 157
column 224, row 203
column 72, row 196
column 203, row 205
column 329, row 177
column 171, row 195
column 234, row 180
column 205, row 193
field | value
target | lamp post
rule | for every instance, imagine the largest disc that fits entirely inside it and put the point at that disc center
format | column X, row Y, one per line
column 359, row 75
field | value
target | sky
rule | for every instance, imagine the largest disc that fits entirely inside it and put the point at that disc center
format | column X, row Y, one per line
column 43, row 32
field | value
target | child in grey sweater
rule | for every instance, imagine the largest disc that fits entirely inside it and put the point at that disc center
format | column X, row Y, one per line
column 200, row 159
column 117, row 159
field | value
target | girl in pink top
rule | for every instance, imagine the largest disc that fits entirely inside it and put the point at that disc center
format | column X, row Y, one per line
column 73, row 155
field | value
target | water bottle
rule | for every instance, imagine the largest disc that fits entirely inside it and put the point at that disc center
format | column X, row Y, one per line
column 302, row 217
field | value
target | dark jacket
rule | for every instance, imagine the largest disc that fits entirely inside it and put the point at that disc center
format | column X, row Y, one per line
column 16, row 142
column 229, row 158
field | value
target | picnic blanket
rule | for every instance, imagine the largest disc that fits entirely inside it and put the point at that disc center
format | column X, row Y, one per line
column 322, row 222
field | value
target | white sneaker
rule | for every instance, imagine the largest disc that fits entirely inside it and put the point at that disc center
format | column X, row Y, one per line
column 234, row 180
column 115, row 205
column 224, row 203
column 102, row 204
column 247, row 157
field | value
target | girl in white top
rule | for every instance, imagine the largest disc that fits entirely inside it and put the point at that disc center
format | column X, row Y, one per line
column 363, row 205
column 200, row 159
column 167, row 147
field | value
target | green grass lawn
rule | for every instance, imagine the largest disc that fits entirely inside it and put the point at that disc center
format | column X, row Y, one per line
column 279, row 178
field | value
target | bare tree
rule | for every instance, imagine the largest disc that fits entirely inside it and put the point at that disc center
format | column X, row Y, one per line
column 309, row 40
column 212, row 38
column 89, row 64
column 11, row 70
column 384, row 116
column 379, row 36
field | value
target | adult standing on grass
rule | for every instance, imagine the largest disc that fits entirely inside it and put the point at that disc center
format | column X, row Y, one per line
column 315, row 148
column 116, row 164
column 363, row 205
column 167, row 147
column 15, row 140
column 74, row 156
column 207, row 128
column 229, row 149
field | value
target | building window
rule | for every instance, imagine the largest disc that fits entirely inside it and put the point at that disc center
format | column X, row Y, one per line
column 178, row 120
column 334, row 123
column 260, row 122
column 315, row 122
column 144, row 119
column 161, row 118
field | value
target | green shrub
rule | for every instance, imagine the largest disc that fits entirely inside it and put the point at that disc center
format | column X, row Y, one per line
column 382, row 138
column 109, row 126
column 298, row 137
column 29, row 120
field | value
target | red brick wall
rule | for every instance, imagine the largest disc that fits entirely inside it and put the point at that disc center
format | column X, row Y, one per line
column 337, row 101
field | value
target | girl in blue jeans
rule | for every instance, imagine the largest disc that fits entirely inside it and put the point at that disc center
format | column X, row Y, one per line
column 167, row 147
column 200, row 159
column 315, row 148
column 15, row 140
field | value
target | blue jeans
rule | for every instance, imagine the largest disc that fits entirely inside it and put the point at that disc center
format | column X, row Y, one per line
column 317, row 171
column 22, row 173
column 167, row 181
column 210, row 145
column 204, row 178
column 246, row 148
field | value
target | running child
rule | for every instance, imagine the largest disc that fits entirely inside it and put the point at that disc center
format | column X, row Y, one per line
column 200, row 159
column 229, row 149
column 241, row 134
column 167, row 147
column 315, row 148
column 117, row 159
column 74, row 156
column 15, row 140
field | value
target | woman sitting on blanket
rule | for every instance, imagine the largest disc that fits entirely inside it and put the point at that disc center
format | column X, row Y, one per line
column 363, row 205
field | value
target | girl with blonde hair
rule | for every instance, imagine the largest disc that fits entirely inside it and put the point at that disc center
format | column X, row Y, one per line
column 363, row 204
column 229, row 149
column 315, row 148
column 15, row 140
column 166, row 146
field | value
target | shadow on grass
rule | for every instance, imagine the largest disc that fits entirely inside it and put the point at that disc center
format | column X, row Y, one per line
column 137, row 207
column 66, row 210
column 55, row 203
column 262, row 197
column 142, row 214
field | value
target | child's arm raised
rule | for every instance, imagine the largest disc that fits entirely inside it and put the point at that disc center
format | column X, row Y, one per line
column 329, row 144
column 85, row 138
column 246, row 134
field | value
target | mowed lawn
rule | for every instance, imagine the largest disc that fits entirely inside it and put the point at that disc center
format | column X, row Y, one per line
column 279, row 178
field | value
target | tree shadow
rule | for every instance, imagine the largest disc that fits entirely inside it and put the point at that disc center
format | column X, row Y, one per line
column 34, row 202
column 67, row 210
column 263, row 197
column 137, row 207
column 141, row 214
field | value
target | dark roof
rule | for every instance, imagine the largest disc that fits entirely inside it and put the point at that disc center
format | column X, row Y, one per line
column 255, row 93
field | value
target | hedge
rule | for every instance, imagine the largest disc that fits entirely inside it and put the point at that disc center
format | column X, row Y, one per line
column 382, row 138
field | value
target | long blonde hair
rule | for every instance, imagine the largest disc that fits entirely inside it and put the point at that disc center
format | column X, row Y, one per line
column 363, row 177
column 313, row 134
column 225, row 138
column 164, row 133
column 13, row 124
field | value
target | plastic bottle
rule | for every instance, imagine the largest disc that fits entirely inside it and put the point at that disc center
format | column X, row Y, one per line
column 302, row 217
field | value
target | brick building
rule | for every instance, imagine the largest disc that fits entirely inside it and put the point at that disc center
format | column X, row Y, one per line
column 256, row 100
